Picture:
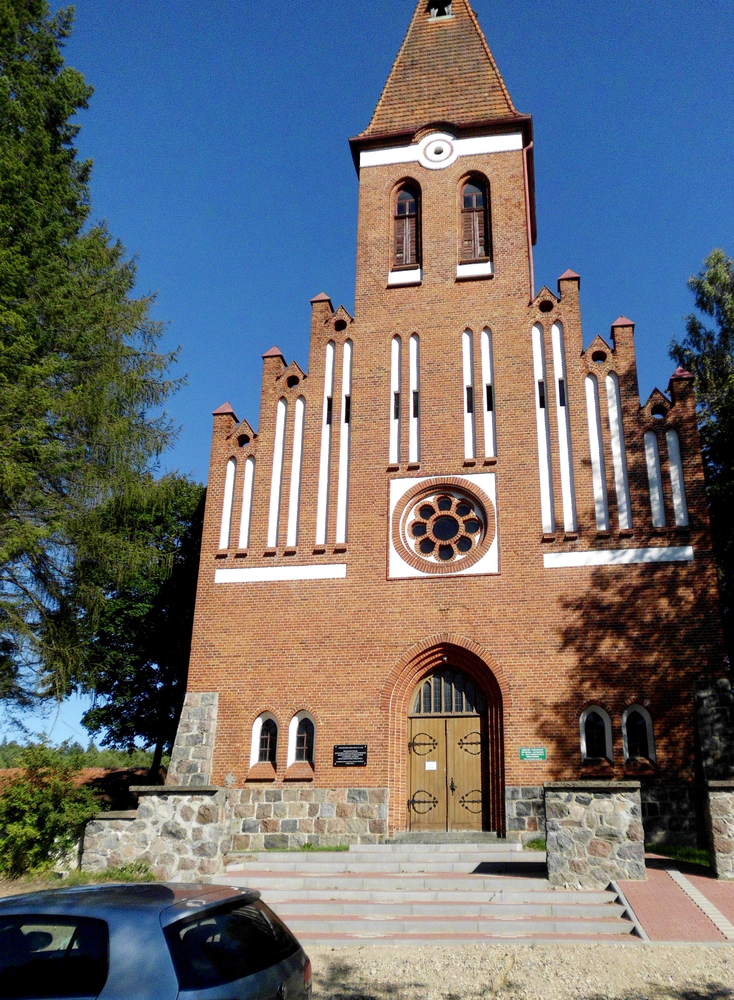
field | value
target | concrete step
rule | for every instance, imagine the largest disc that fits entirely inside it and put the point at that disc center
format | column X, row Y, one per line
column 346, row 925
column 537, row 897
column 290, row 909
column 276, row 863
column 445, row 837
column 411, row 847
column 381, row 882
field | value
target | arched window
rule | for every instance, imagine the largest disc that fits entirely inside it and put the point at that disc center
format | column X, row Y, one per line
column 475, row 236
column 268, row 751
column 596, row 734
column 305, row 740
column 264, row 746
column 449, row 692
column 637, row 734
column 301, row 739
column 407, row 227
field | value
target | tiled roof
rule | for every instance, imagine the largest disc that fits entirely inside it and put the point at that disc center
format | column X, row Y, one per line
column 444, row 72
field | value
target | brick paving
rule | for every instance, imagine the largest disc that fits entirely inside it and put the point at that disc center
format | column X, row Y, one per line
column 718, row 892
column 666, row 913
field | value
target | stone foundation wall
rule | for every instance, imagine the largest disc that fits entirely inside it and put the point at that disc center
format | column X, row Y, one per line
column 594, row 833
column 193, row 750
column 265, row 817
column 720, row 818
column 669, row 813
column 524, row 812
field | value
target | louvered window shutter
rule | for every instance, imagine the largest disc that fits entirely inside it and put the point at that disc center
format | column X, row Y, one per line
column 480, row 233
column 467, row 236
column 411, row 240
column 400, row 240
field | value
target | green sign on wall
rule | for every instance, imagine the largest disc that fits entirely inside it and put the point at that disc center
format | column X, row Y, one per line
column 532, row 753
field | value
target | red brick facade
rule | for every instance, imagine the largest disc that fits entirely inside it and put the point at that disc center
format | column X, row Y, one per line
column 542, row 639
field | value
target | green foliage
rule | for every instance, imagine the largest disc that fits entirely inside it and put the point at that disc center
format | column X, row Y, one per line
column 138, row 658
column 707, row 352
column 11, row 755
column 41, row 812
column 135, row 871
column 537, row 844
column 80, row 372
column 693, row 855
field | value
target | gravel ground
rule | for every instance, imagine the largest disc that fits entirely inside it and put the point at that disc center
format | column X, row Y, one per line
column 588, row 971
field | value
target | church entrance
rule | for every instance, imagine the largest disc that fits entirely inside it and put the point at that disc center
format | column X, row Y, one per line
column 449, row 756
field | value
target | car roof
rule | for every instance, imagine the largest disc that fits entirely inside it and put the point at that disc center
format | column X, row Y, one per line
column 180, row 899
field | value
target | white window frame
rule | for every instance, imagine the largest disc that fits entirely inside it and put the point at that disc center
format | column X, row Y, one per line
column 677, row 482
column 293, row 732
column 396, row 349
column 256, row 730
column 607, row 732
column 650, row 734
column 225, row 529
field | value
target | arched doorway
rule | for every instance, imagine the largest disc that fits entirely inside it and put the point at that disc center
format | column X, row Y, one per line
column 454, row 753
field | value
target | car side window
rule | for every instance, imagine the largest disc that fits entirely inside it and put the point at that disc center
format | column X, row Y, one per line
column 52, row 957
column 228, row 944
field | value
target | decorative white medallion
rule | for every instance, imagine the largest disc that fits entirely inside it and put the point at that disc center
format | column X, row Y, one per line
column 437, row 150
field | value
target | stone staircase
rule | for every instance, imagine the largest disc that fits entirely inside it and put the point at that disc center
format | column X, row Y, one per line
column 415, row 892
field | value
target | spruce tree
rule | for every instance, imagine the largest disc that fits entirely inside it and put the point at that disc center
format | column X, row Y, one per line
column 80, row 370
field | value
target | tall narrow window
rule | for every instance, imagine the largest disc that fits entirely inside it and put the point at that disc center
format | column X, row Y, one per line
column 467, row 351
column 276, row 482
column 541, row 416
column 322, row 506
column 596, row 447
column 407, row 228
column 488, row 380
column 475, row 244
column 680, row 507
column 342, row 500
column 596, row 734
column 268, row 750
column 654, row 479
column 247, row 489
column 226, row 525
column 564, row 430
column 637, row 733
column 414, row 446
column 395, row 376
column 619, row 452
column 295, row 495
column 305, row 741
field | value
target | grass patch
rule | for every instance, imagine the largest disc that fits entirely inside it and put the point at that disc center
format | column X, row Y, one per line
column 136, row 871
column 304, row 847
column 693, row 855
column 538, row 844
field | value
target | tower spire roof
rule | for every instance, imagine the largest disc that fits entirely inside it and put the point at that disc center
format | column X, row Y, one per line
column 444, row 72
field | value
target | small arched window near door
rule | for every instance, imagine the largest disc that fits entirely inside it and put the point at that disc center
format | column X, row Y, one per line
column 637, row 734
column 596, row 734
column 475, row 233
column 448, row 693
column 268, row 750
column 407, row 227
column 305, row 740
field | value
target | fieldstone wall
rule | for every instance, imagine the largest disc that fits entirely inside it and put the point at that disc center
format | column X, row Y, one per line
column 182, row 835
column 524, row 812
column 290, row 817
column 593, row 833
column 720, row 821
column 669, row 813
column 714, row 702
column 193, row 750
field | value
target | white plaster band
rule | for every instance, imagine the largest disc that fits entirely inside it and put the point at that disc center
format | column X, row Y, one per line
column 426, row 151
column 619, row 557
column 479, row 270
column 274, row 574
column 410, row 276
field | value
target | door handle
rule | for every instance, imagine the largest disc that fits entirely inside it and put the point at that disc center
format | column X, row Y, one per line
column 452, row 786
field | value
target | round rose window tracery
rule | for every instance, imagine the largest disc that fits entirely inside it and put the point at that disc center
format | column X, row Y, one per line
column 444, row 530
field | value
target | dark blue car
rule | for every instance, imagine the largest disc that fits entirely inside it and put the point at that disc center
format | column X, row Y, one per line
column 148, row 942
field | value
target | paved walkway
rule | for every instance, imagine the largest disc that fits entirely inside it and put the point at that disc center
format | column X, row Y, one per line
column 678, row 903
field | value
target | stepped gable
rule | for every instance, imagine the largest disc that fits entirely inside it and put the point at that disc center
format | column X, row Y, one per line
column 444, row 72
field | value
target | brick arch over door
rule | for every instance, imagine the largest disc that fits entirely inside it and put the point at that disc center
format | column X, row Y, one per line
column 421, row 659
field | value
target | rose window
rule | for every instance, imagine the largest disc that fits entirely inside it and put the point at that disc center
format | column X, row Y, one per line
column 445, row 527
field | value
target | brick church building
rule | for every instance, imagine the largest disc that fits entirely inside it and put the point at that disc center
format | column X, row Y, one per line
column 457, row 559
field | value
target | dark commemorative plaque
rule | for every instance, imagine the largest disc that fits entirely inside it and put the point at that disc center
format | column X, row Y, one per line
column 350, row 755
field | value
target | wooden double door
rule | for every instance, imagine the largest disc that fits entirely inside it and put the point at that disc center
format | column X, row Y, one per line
column 448, row 770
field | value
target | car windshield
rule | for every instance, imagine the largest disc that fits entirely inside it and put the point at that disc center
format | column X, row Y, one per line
column 51, row 956
column 219, row 947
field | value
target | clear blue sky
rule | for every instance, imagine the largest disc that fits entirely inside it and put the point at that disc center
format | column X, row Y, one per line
column 208, row 117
